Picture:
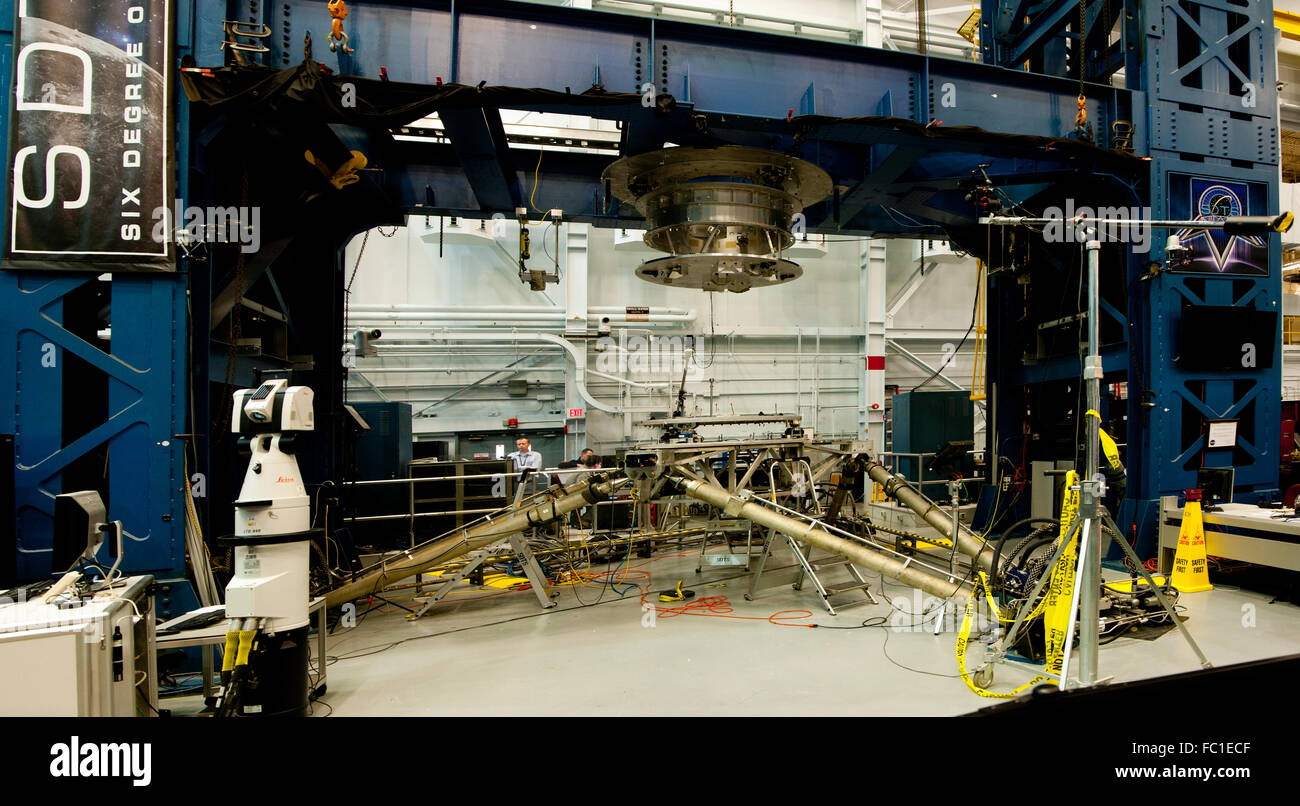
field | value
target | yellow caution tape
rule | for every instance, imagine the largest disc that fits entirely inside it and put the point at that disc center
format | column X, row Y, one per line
column 1108, row 444
column 935, row 541
column 1111, row 450
column 1056, row 602
column 963, row 638
column 1056, row 620
column 988, row 596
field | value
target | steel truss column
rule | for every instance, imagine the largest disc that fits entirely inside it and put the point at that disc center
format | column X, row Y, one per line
column 1210, row 78
column 575, row 322
column 142, row 376
column 873, row 23
column 872, row 301
column 145, row 372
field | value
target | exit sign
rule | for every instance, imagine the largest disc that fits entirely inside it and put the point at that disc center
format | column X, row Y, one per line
column 577, row 414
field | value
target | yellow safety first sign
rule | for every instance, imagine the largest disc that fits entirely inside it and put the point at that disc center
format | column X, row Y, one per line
column 1191, row 574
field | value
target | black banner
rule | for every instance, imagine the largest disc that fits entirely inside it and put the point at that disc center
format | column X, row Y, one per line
column 90, row 137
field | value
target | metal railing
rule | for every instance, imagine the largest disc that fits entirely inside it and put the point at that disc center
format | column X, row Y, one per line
column 512, row 474
column 720, row 16
column 897, row 28
column 1291, row 329
column 411, row 514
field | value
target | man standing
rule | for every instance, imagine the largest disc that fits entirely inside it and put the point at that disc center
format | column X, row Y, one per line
column 525, row 456
column 529, row 463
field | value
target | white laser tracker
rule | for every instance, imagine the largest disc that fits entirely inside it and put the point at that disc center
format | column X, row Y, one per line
column 271, row 575
column 267, row 599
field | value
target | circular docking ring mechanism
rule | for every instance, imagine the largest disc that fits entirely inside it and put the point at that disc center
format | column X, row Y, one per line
column 724, row 215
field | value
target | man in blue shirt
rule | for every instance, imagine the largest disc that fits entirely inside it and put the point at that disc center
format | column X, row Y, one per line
column 525, row 456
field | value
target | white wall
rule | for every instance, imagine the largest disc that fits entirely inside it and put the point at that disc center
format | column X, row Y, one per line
column 832, row 12
column 794, row 348
column 942, row 304
column 880, row 23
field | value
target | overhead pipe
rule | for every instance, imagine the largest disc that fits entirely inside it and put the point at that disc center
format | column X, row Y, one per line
column 377, row 370
column 507, row 313
column 401, row 350
column 595, row 310
column 626, row 382
column 410, row 328
column 897, row 487
column 480, row 535
column 419, row 346
column 579, row 361
column 508, row 316
column 814, row 535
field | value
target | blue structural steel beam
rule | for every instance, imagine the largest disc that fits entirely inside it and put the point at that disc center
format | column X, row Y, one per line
column 742, row 87
column 1210, row 76
column 1046, row 25
column 923, row 165
column 890, row 168
column 1105, row 58
column 1014, row 33
column 731, row 72
column 1204, row 92
column 144, row 373
column 479, row 139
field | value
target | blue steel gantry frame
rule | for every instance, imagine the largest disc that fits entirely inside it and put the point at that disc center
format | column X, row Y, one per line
column 1184, row 61
column 1199, row 94
column 50, row 366
column 1204, row 71
column 1209, row 72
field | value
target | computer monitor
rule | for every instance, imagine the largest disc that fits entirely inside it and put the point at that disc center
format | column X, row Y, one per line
column 1215, row 484
column 951, row 457
column 77, row 536
column 1211, row 338
column 358, row 421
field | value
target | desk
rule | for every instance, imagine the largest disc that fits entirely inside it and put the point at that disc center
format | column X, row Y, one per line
column 215, row 635
column 96, row 659
column 1242, row 532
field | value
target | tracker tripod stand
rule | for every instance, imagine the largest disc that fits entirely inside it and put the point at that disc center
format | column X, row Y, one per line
column 1087, row 526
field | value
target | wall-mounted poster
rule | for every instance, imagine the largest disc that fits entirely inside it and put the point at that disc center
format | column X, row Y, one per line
column 90, row 135
column 1211, row 251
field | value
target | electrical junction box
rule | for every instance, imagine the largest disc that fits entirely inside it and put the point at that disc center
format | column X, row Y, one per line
column 923, row 422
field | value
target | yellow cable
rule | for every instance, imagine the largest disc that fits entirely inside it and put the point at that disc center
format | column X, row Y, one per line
column 993, row 517
column 228, row 657
column 536, row 171
column 981, row 328
column 190, row 512
column 245, row 646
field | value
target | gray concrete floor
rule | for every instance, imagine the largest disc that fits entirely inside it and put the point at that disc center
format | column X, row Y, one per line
column 504, row 656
